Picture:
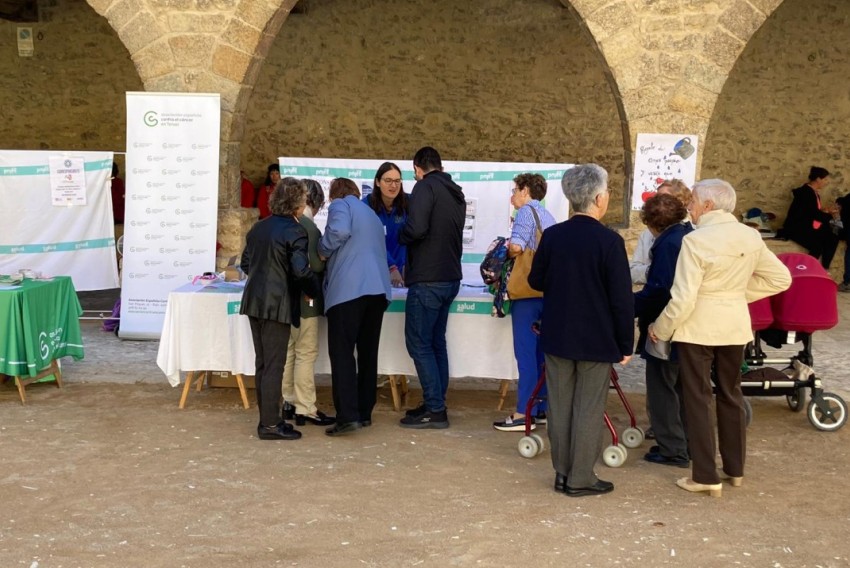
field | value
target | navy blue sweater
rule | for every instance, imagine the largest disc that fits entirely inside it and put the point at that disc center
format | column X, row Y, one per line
column 588, row 310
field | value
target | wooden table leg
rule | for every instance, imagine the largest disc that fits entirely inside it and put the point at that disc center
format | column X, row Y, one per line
column 405, row 388
column 241, row 384
column 189, row 376
column 503, row 393
column 202, row 378
column 21, row 390
column 22, row 382
column 394, row 384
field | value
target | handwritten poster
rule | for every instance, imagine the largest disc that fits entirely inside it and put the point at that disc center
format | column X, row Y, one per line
column 659, row 157
column 67, row 180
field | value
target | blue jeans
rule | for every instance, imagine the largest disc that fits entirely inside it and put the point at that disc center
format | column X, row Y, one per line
column 426, row 315
column 529, row 357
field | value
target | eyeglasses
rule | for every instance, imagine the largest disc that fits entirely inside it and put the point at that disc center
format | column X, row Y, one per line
column 516, row 190
column 390, row 181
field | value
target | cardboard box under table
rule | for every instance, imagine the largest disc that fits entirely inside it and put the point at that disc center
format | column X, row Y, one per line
column 479, row 345
column 39, row 324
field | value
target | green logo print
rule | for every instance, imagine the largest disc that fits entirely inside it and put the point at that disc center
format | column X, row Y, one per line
column 150, row 118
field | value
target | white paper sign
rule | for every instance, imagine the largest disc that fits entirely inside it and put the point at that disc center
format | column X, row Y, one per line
column 659, row 157
column 67, row 180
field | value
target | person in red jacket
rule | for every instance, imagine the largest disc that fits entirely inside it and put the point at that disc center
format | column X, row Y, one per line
column 249, row 192
column 272, row 179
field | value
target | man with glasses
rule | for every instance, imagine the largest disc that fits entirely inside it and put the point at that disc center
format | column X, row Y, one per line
column 433, row 234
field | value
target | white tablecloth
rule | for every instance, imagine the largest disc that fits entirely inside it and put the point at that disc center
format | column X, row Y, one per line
column 204, row 331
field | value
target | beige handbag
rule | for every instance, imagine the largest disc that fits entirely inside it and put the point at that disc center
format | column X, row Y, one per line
column 518, row 288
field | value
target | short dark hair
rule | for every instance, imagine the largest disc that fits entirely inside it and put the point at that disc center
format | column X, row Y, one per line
column 662, row 210
column 343, row 187
column 535, row 183
column 271, row 168
column 315, row 194
column 428, row 159
column 289, row 195
column 374, row 199
column 817, row 173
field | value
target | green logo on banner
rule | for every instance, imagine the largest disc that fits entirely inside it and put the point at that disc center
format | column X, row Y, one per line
column 150, row 118
column 233, row 308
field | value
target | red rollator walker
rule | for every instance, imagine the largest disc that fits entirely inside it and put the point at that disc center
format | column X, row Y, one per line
column 614, row 455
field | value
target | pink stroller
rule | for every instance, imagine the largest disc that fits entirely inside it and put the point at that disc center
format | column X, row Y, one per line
column 788, row 318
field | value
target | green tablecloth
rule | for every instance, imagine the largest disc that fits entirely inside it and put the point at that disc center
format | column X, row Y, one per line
column 39, row 322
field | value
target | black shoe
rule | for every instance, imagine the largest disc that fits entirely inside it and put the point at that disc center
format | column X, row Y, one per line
column 655, row 457
column 319, row 419
column 366, row 423
column 342, row 428
column 649, row 434
column 421, row 409
column 282, row 431
column 428, row 419
column 560, row 483
column 597, row 488
column 288, row 412
column 541, row 418
column 654, row 449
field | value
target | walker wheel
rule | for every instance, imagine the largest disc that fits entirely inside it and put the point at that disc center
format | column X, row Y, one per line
column 527, row 447
column 797, row 401
column 540, row 444
column 748, row 413
column 632, row 437
column 614, row 456
column 827, row 412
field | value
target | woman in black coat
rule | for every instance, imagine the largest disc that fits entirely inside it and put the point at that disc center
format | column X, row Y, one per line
column 278, row 268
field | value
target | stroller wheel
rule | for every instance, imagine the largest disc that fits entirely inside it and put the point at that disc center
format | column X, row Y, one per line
column 632, row 437
column 540, row 444
column 827, row 412
column 528, row 447
column 797, row 401
column 614, row 456
column 748, row 413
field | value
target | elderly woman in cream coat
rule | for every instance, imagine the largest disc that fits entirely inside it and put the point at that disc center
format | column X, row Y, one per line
column 723, row 266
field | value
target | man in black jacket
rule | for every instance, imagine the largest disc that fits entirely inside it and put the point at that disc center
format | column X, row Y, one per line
column 807, row 223
column 434, row 238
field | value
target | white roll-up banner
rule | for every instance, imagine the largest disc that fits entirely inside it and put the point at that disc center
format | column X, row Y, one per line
column 56, row 216
column 486, row 185
column 172, row 202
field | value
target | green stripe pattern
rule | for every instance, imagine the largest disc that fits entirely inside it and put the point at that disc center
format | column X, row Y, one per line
column 57, row 247
column 407, row 175
column 45, row 170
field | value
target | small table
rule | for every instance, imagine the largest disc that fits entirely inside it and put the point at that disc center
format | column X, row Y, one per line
column 203, row 331
column 40, row 324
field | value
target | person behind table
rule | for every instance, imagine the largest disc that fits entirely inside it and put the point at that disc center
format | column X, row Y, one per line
column 118, row 196
column 723, row 265
column 663, row 215
column 808, row 221
column 272, row 179
column 299, row 384
column 278, row 267
column 529, row 189
column 844, row 206
column 639, row 264
column 588, row 324
column 433, row 234
column 247, row 191
column 389, row 201
column 357, row 292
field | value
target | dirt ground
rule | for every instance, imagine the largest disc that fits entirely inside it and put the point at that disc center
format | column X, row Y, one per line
column 107, row 472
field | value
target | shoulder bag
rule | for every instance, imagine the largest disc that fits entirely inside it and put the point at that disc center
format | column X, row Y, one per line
column 518, row 288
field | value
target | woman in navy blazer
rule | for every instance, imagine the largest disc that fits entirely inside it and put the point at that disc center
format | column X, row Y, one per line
column 588, row 324
column 357, row 292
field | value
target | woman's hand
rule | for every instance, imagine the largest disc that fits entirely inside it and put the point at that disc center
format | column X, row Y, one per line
column 626, row 359
column 650, row 331
column 395, row 278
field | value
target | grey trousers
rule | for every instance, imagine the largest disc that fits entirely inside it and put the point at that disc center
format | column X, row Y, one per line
column 578, row 391
column 666, row 411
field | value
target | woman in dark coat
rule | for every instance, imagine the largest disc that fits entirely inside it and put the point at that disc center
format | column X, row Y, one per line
column 278, row 268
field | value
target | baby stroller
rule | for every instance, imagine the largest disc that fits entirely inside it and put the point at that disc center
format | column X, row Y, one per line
column 789, row 318
column 614, row 455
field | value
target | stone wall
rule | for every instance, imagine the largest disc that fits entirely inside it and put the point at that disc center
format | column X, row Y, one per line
column 494, row 81
column 785, row 107
column 70, row 94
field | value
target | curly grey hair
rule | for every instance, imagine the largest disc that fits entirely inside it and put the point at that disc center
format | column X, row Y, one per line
column 288, row 197
column 582, row 183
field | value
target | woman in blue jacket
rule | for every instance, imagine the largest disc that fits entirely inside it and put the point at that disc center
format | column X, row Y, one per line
column 665, row 216
column 389, row 201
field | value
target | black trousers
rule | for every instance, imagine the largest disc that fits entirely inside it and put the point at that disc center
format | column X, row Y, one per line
column 271, row 339
column 666, row 411
column 355, row 325
column 823, row 245
column 695, row 371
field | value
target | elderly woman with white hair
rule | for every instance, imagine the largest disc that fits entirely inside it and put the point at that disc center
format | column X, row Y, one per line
column 588, row 324
column 722, row 266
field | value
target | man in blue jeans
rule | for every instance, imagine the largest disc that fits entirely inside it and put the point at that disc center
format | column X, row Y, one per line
column 434, row 238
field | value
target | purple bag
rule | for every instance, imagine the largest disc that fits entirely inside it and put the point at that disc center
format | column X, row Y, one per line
column 112, row 323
